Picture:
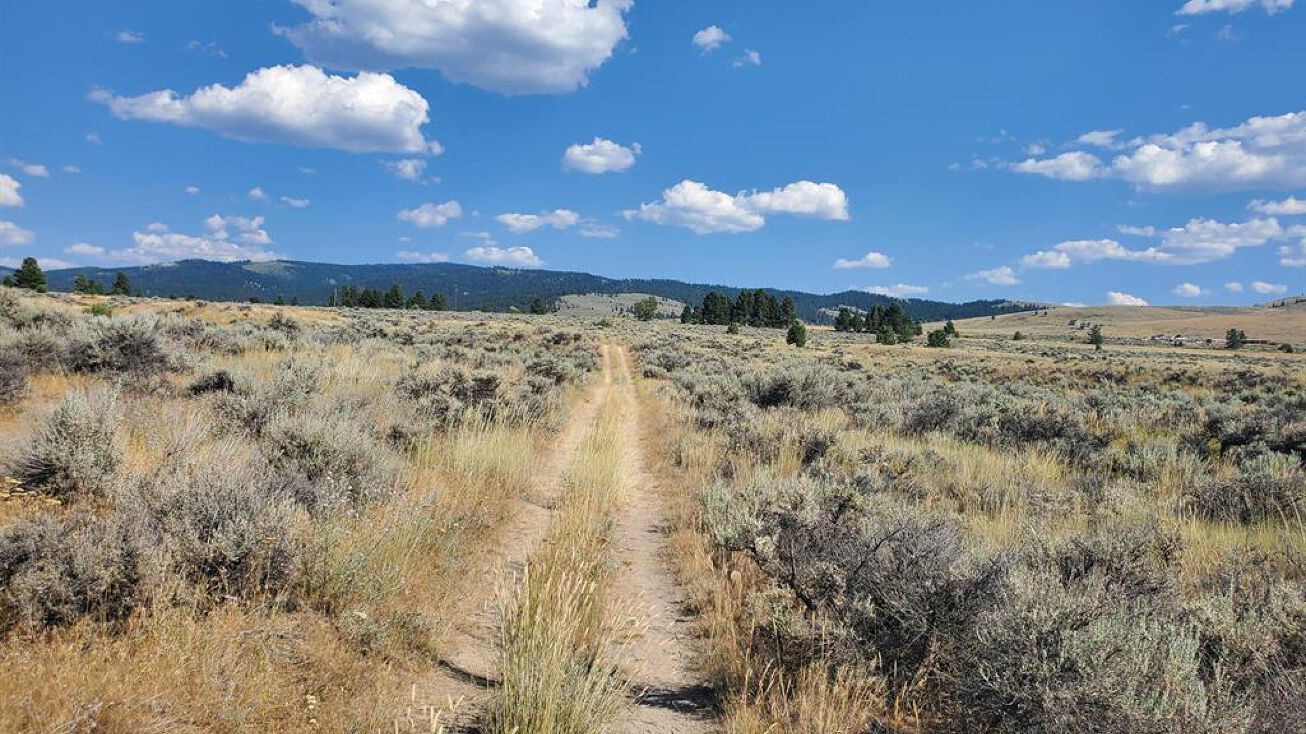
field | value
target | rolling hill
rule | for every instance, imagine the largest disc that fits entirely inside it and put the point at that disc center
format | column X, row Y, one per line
column 466, row 287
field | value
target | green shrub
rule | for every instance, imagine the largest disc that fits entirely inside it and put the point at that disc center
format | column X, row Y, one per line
column 797, row 334
column 100, row 309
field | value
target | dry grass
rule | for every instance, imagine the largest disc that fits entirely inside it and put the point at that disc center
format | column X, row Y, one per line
column 558, row 674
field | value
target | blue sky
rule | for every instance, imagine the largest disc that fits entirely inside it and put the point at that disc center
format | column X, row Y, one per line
column 1115, row 151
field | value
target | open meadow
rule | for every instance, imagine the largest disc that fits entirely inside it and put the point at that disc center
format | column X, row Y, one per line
column 226, row 518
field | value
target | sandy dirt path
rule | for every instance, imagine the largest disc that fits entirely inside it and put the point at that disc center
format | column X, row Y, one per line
column 668, row 692
column 469, row 656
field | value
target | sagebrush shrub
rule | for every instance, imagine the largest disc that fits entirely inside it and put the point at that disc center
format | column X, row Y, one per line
column 77, row 452
column 13, row 376
column 226, row 529
column 57, row 571
column 131, row 346
column 339, row 462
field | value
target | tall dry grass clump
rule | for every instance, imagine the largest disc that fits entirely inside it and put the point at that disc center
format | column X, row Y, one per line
column 558, row 673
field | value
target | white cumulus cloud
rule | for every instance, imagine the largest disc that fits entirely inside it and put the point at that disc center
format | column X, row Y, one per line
column 431, row 215
column 1002, row 275
column 192, row 190
column 710, row 38
column 84, row 249
column 1264, row 288
column 1259, row 153
column 129, row 36
column 1289, row 207
column 750, row 58
column 1116, row 298
column 257, row 194
column 1233, row 286
column 558, row 219
column 224, row 239
column 899, row 290
column 693, row 205
column 1188, row 290
column 409, row 169
column 1073, row 166
column 296, row 202
column 9, row 187
column 294, row 105
column 522, row 257
column 509, row 46
column 871, row 259
column 12, row 234
column 600, row 156
column 1202, row 7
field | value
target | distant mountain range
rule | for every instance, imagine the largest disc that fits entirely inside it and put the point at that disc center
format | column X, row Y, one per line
column 466, row 287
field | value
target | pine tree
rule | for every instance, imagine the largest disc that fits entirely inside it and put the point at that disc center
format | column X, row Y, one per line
column 1095, row 338
column 687, row 315
column 797, row 334
column 121, row 285
column 537, row 306
column 437, row 302
column 89, row 286
column 645, row 309
column 394, row 298
column 418, row 301
column 30, row 276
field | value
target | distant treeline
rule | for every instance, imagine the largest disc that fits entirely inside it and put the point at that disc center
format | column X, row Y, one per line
column 750, row 308
column 890, row 325
column 352, row 297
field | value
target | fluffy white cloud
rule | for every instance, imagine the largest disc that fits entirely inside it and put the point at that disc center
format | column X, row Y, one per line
column 192, row 190
column 409, row 169
column 1116, row 298
column 509, row 46
column 803, row 198
column 431, row 215
column 1262, row 152
column 296, row 203
column 558, row 219
column 1264, row 288
column 129, row 36
column 1207, row 240
column 871, row 259
column 1198, row 241
column 257, row 194
column 1003, row 275
column 900, row 290
column 1233, row 286
column 71, row 169
column 1289, row 207
column 1291, row 257
column 1046, row 260
column 9, row 187
column 1073, row 166
column 600, row 156
column 693, row 205
column 413, row 256
column 522, row 257
column 1188, row 290
column 224, row 239
column 12, row 234
column 295, row 105
column 1201, row 7
column 710, row 38
column 750, row 58
column 31, row 169
column 85, row 249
